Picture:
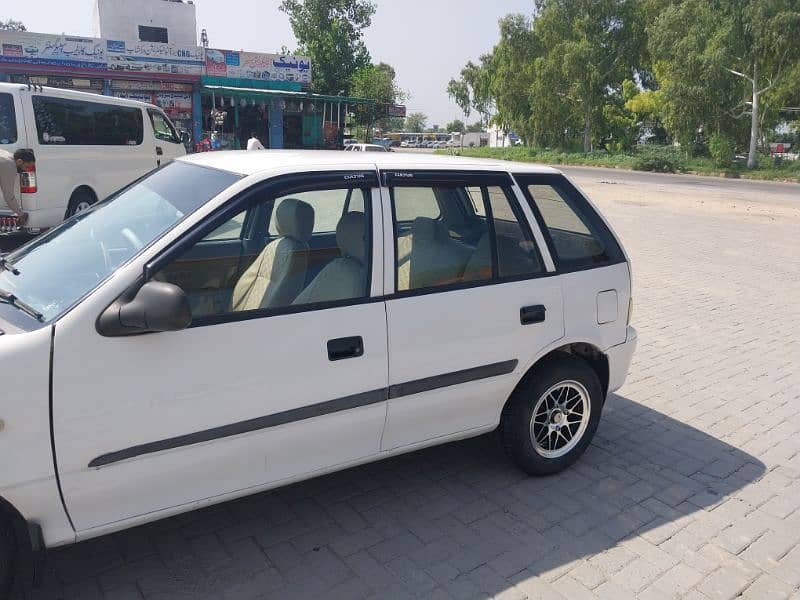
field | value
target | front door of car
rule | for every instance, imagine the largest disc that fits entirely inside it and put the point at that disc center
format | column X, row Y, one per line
column 474, row 302
column 282, row 373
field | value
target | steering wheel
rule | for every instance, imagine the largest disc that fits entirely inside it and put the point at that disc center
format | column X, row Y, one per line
column 132, row 238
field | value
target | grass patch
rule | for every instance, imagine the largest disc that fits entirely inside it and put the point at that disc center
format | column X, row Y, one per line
column 648, row 158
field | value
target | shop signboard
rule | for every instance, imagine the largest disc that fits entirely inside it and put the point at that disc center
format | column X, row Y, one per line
column 157, row 86
column 154, row 58
column 255, row 65
column 396, row 110
column 70, row 83
column 174, row 101
column 65, row 51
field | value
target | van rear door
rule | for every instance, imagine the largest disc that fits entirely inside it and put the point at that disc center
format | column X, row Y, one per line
column 12, row 136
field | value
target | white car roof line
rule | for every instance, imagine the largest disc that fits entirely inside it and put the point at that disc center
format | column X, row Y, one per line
column 253, row 162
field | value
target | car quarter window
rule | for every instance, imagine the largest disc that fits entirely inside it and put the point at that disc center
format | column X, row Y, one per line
column 282, row 253
column 474, row 234
column 577, row 234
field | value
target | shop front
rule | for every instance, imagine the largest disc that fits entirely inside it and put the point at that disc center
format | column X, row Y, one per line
column 176, row 99
column 280, row 118
column 166, row 75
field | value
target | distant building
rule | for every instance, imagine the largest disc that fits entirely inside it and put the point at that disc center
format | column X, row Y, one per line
column 164, row 21
column 147, row 50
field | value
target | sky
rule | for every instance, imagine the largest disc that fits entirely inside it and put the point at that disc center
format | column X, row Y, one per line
column 426, row 41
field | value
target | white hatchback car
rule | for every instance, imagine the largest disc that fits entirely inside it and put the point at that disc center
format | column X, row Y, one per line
column 237, row 321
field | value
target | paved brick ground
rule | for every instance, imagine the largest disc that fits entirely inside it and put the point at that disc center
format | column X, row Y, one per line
column 691, row 488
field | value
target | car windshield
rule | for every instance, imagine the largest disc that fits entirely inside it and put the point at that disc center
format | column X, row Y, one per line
column 57, row 269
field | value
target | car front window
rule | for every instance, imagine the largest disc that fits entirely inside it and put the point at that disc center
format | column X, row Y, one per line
column 63, row 265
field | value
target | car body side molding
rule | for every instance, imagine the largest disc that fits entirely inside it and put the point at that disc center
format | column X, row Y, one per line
column 307, row 412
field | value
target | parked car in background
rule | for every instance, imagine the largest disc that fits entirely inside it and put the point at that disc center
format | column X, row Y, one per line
column 86, row 145
column 367, row 148
column 410, row 301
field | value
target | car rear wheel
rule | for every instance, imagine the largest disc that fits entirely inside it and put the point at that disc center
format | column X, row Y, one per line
column 552, row 416
column 8, row 551
column 81, row 200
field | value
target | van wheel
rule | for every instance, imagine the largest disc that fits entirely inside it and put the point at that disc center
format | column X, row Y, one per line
column 552, row 416
column 81, row 200
column 8, row 551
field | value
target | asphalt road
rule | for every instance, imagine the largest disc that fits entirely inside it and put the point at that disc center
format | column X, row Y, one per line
column 729, row 189
column 743, row 189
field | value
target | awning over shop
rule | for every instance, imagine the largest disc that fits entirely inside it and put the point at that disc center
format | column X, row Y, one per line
column 260, row 94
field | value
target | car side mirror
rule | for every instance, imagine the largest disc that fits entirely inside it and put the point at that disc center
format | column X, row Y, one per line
column 155, row 307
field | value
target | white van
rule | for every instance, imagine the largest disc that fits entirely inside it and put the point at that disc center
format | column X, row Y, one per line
column 86, row 145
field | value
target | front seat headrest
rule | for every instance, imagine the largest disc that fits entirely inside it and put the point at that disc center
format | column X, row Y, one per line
column 351, row 236
column 295, row 219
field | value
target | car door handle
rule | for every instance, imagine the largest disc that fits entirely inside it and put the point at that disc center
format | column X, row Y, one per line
column 348, row 347
column 532, row 314
column 159, row 151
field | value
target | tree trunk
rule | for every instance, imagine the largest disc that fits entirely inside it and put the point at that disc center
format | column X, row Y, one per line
column 587, row 129
column 752, row 159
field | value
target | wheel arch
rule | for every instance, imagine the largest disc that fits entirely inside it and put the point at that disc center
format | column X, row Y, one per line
column 587, row 351
column 28, row 537
column 82, row 188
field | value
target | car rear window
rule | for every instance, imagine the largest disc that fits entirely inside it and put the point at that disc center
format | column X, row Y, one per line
column 68, row 122
column 8, row 120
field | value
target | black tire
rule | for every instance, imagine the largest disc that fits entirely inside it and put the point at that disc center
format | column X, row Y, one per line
column 8, row 552
column 516, row 426
column 79, row 201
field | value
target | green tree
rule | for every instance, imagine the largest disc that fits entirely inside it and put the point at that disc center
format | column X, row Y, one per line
column 330, row 33
column 591, row 47
column 475, row 127
column 511, row 74
column 416, row 121
column 768, row 43
column 377, row 83
column 12, row 25
column 720, row 62
column 472, row 91
column 455, row 125
column 620, row 124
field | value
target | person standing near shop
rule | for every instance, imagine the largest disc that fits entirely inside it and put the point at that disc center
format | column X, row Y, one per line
column 11, row 165
column 254, row 143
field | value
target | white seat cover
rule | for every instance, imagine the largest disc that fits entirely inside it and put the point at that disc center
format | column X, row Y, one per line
column 278, row 274
column 429, row 256
column 344, row 277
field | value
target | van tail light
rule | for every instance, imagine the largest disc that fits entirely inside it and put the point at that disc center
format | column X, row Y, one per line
column 27, row 180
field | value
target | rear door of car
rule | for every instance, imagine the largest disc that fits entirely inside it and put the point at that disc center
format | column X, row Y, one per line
column 473, row 300
column 590, row 261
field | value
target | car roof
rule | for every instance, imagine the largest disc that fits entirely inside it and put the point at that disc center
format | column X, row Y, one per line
column 246, row 162
column 74, row 94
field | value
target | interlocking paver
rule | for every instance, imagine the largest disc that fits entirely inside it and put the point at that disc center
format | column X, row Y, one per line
column 691, row 488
